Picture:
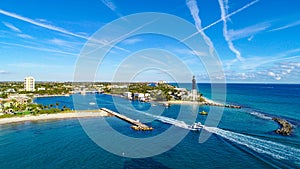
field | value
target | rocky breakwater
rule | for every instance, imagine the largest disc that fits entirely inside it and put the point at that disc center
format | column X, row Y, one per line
column 286, row 127
column 213, row 103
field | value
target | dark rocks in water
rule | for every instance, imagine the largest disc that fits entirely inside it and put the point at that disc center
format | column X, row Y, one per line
column 286, row 127
column 233, row 106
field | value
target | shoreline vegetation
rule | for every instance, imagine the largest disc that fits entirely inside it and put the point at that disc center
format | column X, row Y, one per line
column 55, row 116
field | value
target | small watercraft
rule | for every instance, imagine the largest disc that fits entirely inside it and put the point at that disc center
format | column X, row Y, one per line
column 92, row 103
column 167, row 105
column 203, row 112
column 196, row 126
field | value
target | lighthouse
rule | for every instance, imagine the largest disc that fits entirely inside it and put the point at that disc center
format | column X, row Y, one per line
column 194, row 90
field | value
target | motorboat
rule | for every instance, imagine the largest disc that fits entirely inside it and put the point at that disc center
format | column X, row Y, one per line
column 166, row 105
column 203, row 112
column 196, row 126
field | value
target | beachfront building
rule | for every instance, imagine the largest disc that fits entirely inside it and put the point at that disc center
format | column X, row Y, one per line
column 161, row 82
column 29, row 84
column 128, row 95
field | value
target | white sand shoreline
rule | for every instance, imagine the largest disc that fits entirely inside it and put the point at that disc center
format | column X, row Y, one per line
column 57, row 116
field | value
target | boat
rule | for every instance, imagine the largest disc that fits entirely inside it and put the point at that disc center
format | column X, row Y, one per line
column 196, row 126
column 166, row 105
column 92, row 103
column 203, row 112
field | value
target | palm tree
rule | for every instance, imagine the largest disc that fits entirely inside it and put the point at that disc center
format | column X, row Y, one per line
column 2, row 105
column 51, row 105
column 40, row 106
column 57, row 104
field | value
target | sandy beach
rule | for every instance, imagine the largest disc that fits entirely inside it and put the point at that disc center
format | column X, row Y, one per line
column 182, row 102
column 79, row 114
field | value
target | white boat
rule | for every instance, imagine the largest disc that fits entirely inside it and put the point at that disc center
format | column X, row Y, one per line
column 196, row 126
column 92, row 103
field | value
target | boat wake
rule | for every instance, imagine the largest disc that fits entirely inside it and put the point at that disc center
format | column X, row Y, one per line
column 273, row 149
column 276, row 150
column 168, row 120
column 260, row 115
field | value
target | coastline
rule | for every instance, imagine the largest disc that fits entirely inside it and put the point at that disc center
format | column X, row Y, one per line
column 56, row 116
column 56, row 95
column 206, row 102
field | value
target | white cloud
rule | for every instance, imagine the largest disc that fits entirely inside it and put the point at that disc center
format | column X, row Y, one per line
column 297, row 64
column 131, row 41
column 271, row 74
column 248, row 31
column 31, row 65
column 250, row 38
column 25, row 36
column 59, row 42
column 278, row 78
column 287, row 26
column 257, row 61
column 281, row 70
column 2, row 72
column 12, row 27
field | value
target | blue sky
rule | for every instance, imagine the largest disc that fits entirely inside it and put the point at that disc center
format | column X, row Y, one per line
column 256, row 41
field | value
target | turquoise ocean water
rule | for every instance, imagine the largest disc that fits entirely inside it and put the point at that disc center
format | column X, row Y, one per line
column 244, row 138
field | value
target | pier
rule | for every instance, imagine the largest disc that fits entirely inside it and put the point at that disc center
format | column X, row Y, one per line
column 137, row 125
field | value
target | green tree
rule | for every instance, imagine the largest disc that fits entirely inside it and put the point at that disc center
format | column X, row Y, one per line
column 57, row 104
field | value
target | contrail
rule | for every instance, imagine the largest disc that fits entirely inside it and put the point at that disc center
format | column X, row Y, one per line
column 39, row 48
column 286, row 26
column 111, row 5
column 51, row 27
column 225, row 31
column 47, row 26
column 192, row 5
column 220, row 20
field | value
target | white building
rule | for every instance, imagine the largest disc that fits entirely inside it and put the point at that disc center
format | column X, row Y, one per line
column 128, row 95
column 29, row 84
column 41, row 89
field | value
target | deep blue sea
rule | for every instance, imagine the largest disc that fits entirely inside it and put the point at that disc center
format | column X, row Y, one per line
column 243, row 138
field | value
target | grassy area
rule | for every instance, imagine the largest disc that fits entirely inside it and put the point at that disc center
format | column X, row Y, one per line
column 38, row 112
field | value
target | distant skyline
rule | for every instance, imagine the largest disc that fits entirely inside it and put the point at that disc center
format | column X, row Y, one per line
column 257, row 41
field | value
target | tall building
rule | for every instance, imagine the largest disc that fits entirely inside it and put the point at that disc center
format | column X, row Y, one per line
column 194, row 89
column 29, row 84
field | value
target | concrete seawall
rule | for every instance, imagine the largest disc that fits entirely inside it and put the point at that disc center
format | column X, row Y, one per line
column 137, row 125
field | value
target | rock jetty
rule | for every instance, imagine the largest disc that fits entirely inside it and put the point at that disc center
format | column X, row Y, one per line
column 286, row 127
